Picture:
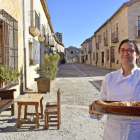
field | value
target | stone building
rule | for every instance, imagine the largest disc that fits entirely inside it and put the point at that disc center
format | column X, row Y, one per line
column 26, row 34
column 123, row 24
column 86, row 52
column 72, row 54
column 59, row 36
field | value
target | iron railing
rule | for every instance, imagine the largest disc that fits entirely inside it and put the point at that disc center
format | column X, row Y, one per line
column 114, row 37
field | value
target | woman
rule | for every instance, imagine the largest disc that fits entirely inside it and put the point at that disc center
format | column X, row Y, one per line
column 122, row 85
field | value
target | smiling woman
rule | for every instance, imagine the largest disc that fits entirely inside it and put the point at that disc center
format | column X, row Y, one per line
column 128, row 52
column 122, row 85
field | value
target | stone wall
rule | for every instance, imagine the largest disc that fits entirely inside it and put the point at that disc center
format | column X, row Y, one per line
column 14, row 8
column 75, row 53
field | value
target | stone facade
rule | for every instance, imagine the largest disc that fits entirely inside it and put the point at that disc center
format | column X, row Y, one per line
column 36, row 43
column 59, row 36
column 72, row 54
column 121, row 25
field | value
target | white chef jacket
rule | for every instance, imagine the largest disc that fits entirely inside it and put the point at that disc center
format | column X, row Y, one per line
column 116, row 87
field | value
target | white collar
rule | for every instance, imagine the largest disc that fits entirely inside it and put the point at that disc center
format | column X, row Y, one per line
column 132, row 71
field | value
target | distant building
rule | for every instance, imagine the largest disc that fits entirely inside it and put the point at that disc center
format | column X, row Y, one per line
column 101, row 49
column 59, row 36
column 72, row 54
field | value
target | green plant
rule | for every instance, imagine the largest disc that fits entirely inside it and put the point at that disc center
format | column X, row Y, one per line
column 3, row 74
column 8, row 73
column 49, row 67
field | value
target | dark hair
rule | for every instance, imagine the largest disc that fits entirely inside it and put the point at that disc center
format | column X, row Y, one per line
column 135, row 42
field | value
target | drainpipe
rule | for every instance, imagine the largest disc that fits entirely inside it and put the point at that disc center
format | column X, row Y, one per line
column 110, row 43
column 24, row 45
column 95, row 51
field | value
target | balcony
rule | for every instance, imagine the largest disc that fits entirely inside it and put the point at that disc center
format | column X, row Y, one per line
column 90, row 47
column 41, row 37
column 51, row 41
column 114, row 37
column 89, row 51
column 46, row 40
column 106, row 41
column 34, row 25
column 137, row 32
column 97, row 45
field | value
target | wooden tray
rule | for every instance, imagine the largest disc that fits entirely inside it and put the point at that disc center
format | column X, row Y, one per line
column 127, row 111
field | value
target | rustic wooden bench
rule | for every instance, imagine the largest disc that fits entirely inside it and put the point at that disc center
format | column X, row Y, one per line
column 7, row 100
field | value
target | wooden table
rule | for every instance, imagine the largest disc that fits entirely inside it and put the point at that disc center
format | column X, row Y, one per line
column 30, row 99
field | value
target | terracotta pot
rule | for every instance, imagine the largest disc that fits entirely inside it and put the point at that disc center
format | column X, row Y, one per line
column 2, row 84
column 31, row 63
column 43, row 85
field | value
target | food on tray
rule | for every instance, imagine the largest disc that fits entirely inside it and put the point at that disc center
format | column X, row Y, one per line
column 131, row 103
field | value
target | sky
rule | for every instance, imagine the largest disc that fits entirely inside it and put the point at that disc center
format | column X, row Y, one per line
column 77, row 20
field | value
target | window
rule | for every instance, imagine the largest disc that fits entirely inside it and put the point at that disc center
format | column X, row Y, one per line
column 99, row 38
column 71, row 52
column 94, row 56
column 107, row 55
column 138, row 26
column 106, row 34
column 112, row 54
column 9, row 43
column 86, row 57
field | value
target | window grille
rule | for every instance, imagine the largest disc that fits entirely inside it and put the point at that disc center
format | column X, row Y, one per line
column 8, row 43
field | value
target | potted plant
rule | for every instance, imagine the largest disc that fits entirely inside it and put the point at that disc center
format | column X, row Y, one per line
column 2, row 76
column 7, row 74
column 31, row 61
column 47, row 71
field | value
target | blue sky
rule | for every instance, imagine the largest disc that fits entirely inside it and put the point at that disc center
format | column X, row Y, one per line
column 77, row 20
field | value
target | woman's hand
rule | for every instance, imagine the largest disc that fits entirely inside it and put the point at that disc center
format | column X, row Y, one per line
column 92, row 107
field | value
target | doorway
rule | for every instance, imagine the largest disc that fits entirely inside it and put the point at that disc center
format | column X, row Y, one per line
column 102, row 54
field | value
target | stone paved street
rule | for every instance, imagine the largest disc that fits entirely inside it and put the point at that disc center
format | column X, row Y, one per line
column 77, row 92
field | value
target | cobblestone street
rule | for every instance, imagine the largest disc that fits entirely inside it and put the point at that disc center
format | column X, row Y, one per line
column 77, row 92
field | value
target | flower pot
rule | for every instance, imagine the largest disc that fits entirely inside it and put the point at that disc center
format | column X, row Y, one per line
column 31, row 63
column 41, row 38
column 2, row 84
column 43, row 85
